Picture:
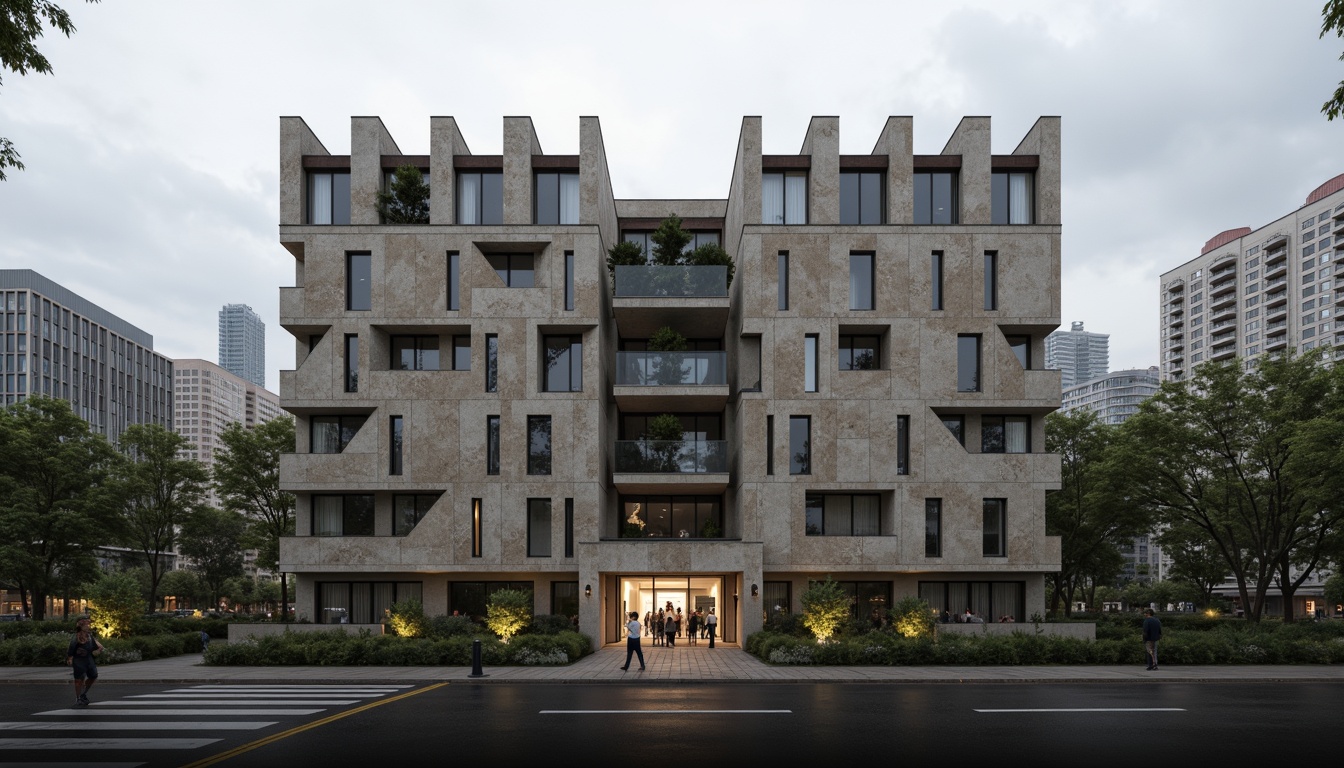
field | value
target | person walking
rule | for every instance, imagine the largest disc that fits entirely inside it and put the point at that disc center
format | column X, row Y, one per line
column 80, row 658
column 692, row 627
column 632, row 632
column 670, row 630
column 1152, row 632
column 712, row 622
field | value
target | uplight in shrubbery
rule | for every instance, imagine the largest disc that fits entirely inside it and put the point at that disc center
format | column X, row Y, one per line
column 408, row 618
column 825, row 608
column 1210, row 613
column 508, row 612
column 114, row 602
column 912, row 617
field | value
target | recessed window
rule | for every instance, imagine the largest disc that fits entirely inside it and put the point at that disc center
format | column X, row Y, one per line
column 902, row 445
column 834, row 514
column 350, row 515
column 860, row 352
column 1005, row 434
column 395, row 435
column 861, row 197
column 862, row 292
column 415, row 353
column 783, row 278
column 480, row 198
column 557, row 198
column 351, row 362
column 562, row 363
column 936, row 198
column 784, row 198
column 936, row 279
column 515, row 269
column 991, row 280
column 956, row 424
column 331, row 434
column 461, row 353
column 329, row 198
column 968, row 363
column 810, row 343
column 454, row 281
column 409, row 509
column 492, row 445
column 1021, row 346
column 1012, row 198
column 995, row 528
column 491, row 362
column 538, row 527
column 933, row 527
column 569, row 281
column 800, row 445
column 358, row 282
column 538, row 445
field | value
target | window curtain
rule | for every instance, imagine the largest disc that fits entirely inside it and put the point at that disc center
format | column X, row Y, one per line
column 838, row 519
column 1020, row 199
column 469, row 198
column 866, row 515
column 326, row 437
column 328, row 515
column 935, row 594
column 1007, row 598
column 772, row 198
column 980, row 603
column 384, row 594
column 361, row 603
column 1016, row 435
column 335, row 602
column 795, row 199
column 569, row 198
column 319, row 198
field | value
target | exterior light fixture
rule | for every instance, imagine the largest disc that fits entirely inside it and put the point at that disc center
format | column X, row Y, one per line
column 587, row 590
column 755, row 591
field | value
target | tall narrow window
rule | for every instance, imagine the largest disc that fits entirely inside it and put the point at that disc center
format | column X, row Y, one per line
column 991, row 280
column 968, row 363
column 557, row 198
column 800, row 445
column 933, row 527
column 454, row 281
column 461, row 353
column 538, row 527
column 351, row 362
column 936, row 279
column 491, row 362
column 1021, row 346
column 394, row 445
column 810, row 343
column 569, row 281
column 569, row 527
column 783, row 280
column 538, row 445
column 358, row 282
column 861, row 289
column 769, row 445
column 480, row 198
column 902, row 445
column 936, row 198
column 492, row 445
column 1012, row 199
column 784, row 198
column 861, row 197
column 995, row 528
column 477, row 532
column 562, row 363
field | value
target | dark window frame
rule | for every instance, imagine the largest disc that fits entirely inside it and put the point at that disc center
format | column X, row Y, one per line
column 421, row 503
column 845, row 352
column 358, row 299
column 861, row 194
column 995, row 542
column 573, row 376
column 515, row 265
column 991, row 281
column 351, row 362
column 811, row 363
column 933, row 527
column 496, row 214
column 539, row 462
column 1001, row 198
column 335, row 206
column 800, row 454
column 348, row 515
column 936, row 280
column 924, row 186
column 418, row 344
column 491, row 362
column 822, row 496
column 395, row 436
column 871, row 298
column 492, row 444
column 977, row 385
column 539, row 545
column 537, row 202
column 356, row 423
column 454, row 281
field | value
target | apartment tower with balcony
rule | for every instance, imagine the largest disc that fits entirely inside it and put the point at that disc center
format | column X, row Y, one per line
column 479, row 403
column 1255, row 292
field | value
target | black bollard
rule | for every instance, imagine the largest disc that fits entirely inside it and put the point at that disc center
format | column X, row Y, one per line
column 476, row 660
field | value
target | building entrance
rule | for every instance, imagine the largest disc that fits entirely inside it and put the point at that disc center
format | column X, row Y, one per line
column 646, row 594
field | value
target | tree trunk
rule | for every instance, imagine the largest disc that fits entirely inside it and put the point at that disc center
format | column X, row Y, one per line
column 23, row 600
column 39, row 605
column 1289, row 591
column 284, row 596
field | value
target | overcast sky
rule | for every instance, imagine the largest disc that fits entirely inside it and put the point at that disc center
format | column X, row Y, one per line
column 152, row 152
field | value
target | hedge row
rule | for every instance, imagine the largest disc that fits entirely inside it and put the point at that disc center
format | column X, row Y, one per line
column 337, row 648
column 146, row 625
column 33, row 650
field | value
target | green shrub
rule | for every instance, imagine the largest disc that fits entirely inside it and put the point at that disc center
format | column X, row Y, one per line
column 443, row 627
column 337, row 648
column 825, row 608
column 551, row 624
column 508, row 612
column 408, row 618
column 115, row 603
column 912, row 617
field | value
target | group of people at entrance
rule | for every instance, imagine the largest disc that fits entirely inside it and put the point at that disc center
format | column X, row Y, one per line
column 668, row 624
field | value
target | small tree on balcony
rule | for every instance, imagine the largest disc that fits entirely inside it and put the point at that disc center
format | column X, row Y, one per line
column 711, row 255
column 407, row 199
column 669, row 242
column 666, row 432
column 667, row 368
column 624, row 254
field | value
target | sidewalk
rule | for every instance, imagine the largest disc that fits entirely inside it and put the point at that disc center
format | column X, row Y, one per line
column 680, row 665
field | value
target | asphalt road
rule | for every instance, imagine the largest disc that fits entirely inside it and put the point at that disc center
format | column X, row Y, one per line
column 1120, row 724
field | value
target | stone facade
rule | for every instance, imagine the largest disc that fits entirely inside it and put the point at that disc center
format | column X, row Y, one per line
column 724, row 520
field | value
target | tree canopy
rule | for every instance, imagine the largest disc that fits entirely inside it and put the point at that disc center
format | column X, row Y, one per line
column 214, row 539
column 1332, row 20
column 247, row 480
column 407, row 199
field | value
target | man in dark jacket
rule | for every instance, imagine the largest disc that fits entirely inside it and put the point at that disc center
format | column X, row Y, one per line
column 1152, row 632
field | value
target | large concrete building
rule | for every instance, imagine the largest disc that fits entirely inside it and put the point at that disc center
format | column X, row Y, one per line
column 861, row 398
column 1257, row 291
column 1115, row 396
column 242, row 343
column 1078, row 355
column 59, row 344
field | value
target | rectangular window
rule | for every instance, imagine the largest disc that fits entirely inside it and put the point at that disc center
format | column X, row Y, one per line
column 968, row 363
column 784, row 198
column 351, row 362
column 331, row 434
column 394, row 464
column 956, row 425
column 561, row 363
column 995, row 534
column 491, row 362
column 810, row 343
column 835, row 514
column 936, row 198
column 991, row 280
column 477, row 529
column 569, row 281
column 1021, row 346
column 861, row 289
column 492, row 445
column 454, row 281
column 329, row 198
column 358, row 282
column 569, row 527
column 1012, row 198
column 800, row 445
column 517, row 270
column 538, row 527
column 408, row 510
column 783, row 280
column 538, row 445
column 557, row 198
column 902, row 445
column 933, row 527
column 936, row 279
column 414, row 353
column 769, row 445
column 480, row 198
column 861, row 197
column 1005, row 434
column 860, row 352
column 350, row 515
column 461, row 353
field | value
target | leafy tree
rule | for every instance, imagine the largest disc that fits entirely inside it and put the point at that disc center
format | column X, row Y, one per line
column 1089, row 512
column 115, row 601
column 408, row 618
column 247, row 479
column 186, row 586
column 669, row 242
column 1193, row 560
column 55, row 507
column 624, row 254
column 508, row 612
column 1332, row 20
column 666, row 432
column 21, row 23
column 912, row 617
column 407, row 201
column 1334, row 588
column 825, row 608
column 667, row 340
column 214, row 540
column 712, row 255
column 158, row 490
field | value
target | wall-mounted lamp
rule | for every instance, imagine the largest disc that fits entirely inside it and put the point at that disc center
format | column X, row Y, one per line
column 587, row 590
column 755, row 591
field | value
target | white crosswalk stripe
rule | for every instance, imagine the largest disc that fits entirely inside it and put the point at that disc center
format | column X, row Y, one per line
column 100, row 743
column 230, row 702
column 185, row 725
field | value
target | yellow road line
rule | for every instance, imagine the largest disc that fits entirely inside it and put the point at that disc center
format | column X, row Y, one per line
column 221, row 757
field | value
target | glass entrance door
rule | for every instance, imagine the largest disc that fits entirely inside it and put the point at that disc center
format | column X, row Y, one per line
column 646, row 594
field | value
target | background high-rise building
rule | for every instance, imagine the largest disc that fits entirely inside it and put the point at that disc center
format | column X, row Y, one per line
column 242, row 343
column 1115, row 396
column 1077, row 354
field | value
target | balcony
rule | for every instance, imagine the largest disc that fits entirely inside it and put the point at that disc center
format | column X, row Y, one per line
column 1225, row 353
column 1339, row 227
column 1225, row 281
column 1279, row 270
column 1176, row 346
column 1275, row 241
column 647, row 382
column 1176, row 332
column 1276, row 329
column 1274, row 313
column 1224, row 311
column 1217, row 329
column 1278, row 342
column 1277, row 297
column 692, row 300
column 1176, row 287
column 1177, row 310
column 671, row 466
column 1339, row 298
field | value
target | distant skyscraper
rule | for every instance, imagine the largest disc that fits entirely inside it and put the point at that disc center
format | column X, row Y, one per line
column 1079, row 355
column 1115, row 396
column 242, row 343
